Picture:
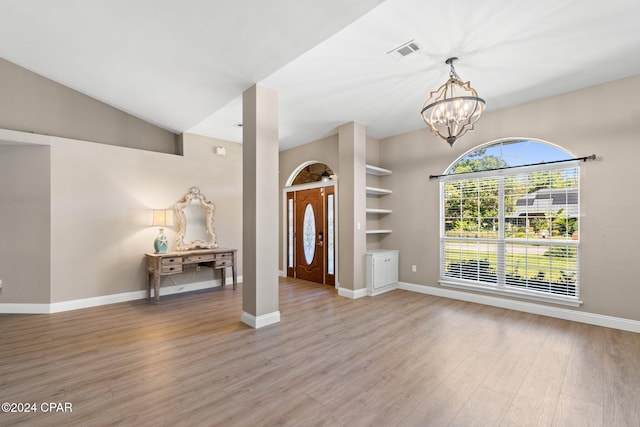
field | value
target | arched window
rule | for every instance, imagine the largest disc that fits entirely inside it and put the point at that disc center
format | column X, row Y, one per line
column 510, row 216
column 313, row 172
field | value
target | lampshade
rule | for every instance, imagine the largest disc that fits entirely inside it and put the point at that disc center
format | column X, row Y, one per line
column 162, row 218
column 453, row 108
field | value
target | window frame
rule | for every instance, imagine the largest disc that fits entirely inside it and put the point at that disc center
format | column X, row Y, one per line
column 501, row 288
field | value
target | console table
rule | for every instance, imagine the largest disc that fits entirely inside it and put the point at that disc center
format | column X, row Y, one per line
column 159, row 265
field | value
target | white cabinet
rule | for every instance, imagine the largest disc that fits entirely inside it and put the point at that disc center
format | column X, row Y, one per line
column 382, row 271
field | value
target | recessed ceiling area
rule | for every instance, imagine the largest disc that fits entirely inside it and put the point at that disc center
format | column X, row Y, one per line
column 184, row 65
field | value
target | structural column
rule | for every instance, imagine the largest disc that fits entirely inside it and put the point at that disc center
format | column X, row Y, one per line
column 260, row 207
column 352, row 199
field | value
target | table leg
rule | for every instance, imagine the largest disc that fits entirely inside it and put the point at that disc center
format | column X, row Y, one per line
column 149, row 279
column 156, row 287
column 233, row 270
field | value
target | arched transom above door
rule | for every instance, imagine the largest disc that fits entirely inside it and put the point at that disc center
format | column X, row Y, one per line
column 313, row 172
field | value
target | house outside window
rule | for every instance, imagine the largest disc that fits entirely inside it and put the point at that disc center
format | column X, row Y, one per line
column 510, row 216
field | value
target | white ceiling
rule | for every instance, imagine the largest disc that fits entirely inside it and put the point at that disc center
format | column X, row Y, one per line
column 183, row 65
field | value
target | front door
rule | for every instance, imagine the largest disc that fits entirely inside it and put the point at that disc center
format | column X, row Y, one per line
column 309, row 235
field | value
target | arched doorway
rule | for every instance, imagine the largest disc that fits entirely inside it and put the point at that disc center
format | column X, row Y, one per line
column 310, row 223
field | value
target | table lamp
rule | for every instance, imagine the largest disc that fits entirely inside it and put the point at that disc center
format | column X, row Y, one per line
column 161, row 218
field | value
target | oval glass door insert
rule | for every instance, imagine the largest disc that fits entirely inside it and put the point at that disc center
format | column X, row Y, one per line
column 309, row 237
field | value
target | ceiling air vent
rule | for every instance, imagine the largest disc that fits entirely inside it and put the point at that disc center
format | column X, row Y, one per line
column 404, row 50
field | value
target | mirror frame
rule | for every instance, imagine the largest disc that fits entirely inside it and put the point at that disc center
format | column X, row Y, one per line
column 181, row 222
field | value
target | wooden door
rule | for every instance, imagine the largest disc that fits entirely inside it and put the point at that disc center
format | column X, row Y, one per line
column 309, row 235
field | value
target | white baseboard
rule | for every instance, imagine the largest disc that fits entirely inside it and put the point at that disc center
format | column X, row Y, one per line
column 57, row 307
column 528, row 307
column 378, row 291
column 282, row 273
column 260, row 321
column 77, row 304
column 353, row 294
column 24, row 308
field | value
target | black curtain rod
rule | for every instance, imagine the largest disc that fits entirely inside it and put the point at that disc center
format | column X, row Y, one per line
column 584, row 159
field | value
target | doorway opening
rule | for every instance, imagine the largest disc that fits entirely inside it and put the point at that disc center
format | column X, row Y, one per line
column 310, row 224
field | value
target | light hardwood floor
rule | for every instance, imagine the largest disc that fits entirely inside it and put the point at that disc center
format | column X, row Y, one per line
column 400, row 358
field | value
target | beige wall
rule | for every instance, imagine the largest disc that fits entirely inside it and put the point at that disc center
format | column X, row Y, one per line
column 324, row 150
column 32, row 103
column 603, row 120
column 99, row 204
column 25, row 223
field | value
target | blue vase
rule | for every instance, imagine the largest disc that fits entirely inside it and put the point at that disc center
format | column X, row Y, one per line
column 161, row 243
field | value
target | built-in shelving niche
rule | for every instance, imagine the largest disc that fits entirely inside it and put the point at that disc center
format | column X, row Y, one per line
column 377, row 192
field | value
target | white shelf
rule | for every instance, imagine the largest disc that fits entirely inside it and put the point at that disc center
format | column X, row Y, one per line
column 378, row 211
column 375, row 170
column 378, row 231
column 373, row 191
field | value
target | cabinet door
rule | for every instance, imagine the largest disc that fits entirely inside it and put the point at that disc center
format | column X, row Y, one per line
column 379, row 271
column 385, row 269
column 392, row 267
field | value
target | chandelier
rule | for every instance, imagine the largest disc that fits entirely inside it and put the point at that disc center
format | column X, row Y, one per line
column 453, row 108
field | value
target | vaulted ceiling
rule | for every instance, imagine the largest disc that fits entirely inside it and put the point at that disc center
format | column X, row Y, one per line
column 183, row 65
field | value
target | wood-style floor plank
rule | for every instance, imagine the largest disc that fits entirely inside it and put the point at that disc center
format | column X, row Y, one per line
column 400, row 358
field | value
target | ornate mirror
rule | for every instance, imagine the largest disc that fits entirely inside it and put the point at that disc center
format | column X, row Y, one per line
column 194, row 222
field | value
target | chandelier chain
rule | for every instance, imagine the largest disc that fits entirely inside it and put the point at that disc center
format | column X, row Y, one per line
column 452, row 72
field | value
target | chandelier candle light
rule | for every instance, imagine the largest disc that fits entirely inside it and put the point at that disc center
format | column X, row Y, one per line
column 453, row 108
